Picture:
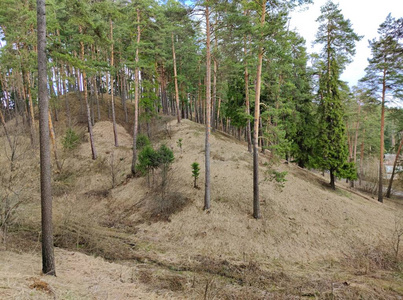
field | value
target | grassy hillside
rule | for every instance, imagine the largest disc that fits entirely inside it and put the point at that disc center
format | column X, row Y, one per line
column 118, row 238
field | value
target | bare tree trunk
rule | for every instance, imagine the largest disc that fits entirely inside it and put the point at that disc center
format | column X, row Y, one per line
column 5, row 130
column 394, row 169
column 53, row 140
column 362, row 160
column 95, row 87
column 68, row 114
column 123, row 95
column 380, row 183
column 31, row 105
column 256, row 199
column 115, row 132
column 332, row 180
column 248, row 129
column 215, row 70
column 218, row 111
column 94, row 84
column 94, row 153
column 208, row 112
column 357, row 126
column 356, row 134
column 176, row 80
column 4, row 86
column 48, row 258
column 136, row 96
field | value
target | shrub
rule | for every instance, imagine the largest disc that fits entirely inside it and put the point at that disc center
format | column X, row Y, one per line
column 142, row 141
column 165, row 155
column 148, row 160
column 70, row 140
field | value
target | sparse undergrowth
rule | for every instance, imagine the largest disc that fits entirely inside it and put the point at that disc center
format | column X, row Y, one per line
column 206, row 260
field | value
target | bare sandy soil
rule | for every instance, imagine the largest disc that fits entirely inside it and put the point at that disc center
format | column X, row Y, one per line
column 310, row 242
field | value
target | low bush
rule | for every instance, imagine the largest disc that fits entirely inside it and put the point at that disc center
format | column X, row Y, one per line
column 70, row 140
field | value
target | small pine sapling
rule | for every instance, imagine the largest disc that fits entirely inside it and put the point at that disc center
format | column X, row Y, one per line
column 142, row 141
column 165, row 159
column 179, row 143
column 70, row 140
column 195, row 173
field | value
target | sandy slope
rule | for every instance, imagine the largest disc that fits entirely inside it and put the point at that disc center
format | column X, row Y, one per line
column 78, row 277
column 304, row 221
column 303, row 225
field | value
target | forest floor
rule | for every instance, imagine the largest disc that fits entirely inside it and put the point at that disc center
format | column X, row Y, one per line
column 119, row 237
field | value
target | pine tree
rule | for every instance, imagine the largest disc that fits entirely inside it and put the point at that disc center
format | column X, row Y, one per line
column 48, row 259
column 338, row 40
column 384, row 74
column 208, row 111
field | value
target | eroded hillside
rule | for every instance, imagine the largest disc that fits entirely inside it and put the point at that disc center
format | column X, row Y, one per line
column 310, row 242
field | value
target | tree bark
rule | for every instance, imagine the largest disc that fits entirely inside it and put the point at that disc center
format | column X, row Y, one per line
column 176, row 80
column 356, row 133
column 48, row 259
column 93, row 150
column 115, row 132
column 53, row 140
column 95, row 87
column 31, row 105
column 248, row 129
column 68, row 114
column 332, row 180
column 123, row 95
column 208, row 113
column 3, row 122
column 394, row 169
column 380, row 183
column 136, row 96
column 256, row 199
column 215, row 70
column 361, row 160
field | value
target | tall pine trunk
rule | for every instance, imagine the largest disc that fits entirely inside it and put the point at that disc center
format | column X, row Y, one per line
column 215, row 70
column 208, row 113
column 93, row 150
column 175, row 79
column 256, row 199
column 248, row 129
column 361, row 159
column 48, row 258
column 68, row 114
column 115, row 132
column 380, row 183
column 136, row 96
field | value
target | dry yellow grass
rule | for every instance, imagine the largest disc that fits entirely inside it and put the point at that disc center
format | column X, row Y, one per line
column 301, row 223
column 309, row 241
column 78, row 277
